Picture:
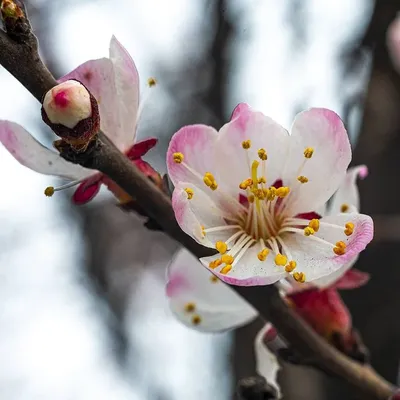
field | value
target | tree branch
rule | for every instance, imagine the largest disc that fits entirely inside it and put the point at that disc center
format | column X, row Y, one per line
column 22, row 61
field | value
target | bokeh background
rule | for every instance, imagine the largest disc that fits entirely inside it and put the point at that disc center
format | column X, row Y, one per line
column 83, row 313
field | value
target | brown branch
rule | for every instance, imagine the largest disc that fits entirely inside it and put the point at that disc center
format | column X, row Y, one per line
column 22, row 61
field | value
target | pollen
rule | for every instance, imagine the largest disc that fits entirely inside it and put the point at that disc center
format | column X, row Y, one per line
column 251, row 198
column 308, row 231
column 190, row 193
column 262, row 180
column 340, row 248
column 226, row 269
column 49, row 191
column 344, row 208
column 271, row 193
column 190, row 307
column 349, row 228
column 209, row 181
column 196, row 319
column 246, row 183
column 262, row 255
column 214, row 264
column 246, row 144
column 151, row 82
column 281, row 260
column 302, row 179
column 221, row 247
column 214, row 279
column 282, row 191
column 308, row 152
column 214, row 186
column 314, row 224
column 290, row 266
column 227, row 259
column 299, row 277
column 203, row 230
column 178, row 157
column 262, row 154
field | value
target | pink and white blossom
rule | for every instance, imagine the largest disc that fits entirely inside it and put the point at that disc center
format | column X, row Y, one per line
column 253, row 192
column 114, row 82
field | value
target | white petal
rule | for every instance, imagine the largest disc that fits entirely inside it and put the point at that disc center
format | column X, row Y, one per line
column 218, row 306
column 30, row 153
column 330, row 279
column 266, row 362
column 127, row 87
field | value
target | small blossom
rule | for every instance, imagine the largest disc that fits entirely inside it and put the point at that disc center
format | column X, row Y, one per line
column 114, row 83
column 252, row 202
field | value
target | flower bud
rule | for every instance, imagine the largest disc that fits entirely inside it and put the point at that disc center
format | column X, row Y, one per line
column 72, row 113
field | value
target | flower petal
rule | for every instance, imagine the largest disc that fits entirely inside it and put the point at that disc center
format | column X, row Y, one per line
column 87, row 190
column 139, row 149
column 347, row 198
column 198, row 213
column 30, row 153
column 127, row 87
column 249, row 270
column 317, row 259
column 352, row 279
column 201, row 301
column 234, row 162
column 323, row 131
column 329, row 280
column 266, row 363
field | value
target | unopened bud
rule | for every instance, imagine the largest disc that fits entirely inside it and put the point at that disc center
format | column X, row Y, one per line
column 72, row 113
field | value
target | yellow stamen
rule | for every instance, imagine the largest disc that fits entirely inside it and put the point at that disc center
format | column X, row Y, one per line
column 227, row 259
column 49, row 191
column 271, row 193
column 178, row 157
column 349, row 228
column 250, row 198
column 226, row 269
column 282, row 191
column 340, row 248
column 262, row 154
column 302, row 179
column 190, row 307
column 151, row 82
column 262, row 255
column 281, row 260
column 262, row 180
column 308, row 152
column 291, row 266
column 246, row 144
column 214, row 279
column 344, row 208
column 308, row 231
column 196, row 319
column 299, row 277
column 254, row 168
column 214, row 186
column 246, row 183
column 190, row 193
column 221, row 247
column 214, row 264
column 209, row 181
column 314, row 224
column 203, row 230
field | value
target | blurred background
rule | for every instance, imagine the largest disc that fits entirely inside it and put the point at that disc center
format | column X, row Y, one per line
column 83, row 313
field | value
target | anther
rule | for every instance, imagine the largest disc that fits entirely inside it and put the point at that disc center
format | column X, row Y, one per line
column 49, row 191
column 262, row 154
column 314, row 224
column 246, row 144
column 262, row 180
column 299, row 277
column 308, row 152
column 190, row 307
column 290, row 266
column 340, row 248
column 227, row 259
column 349, row 228
column 250, row 198
column 178, row 157
column 151, row 82
column 226, row 269
column 308, row 231
column 214, row 264
column 262, row 255
column 246, row 183
column 221, row 247
column 271, row 193
column 214, row 186
column 190, row 193
column 281, row 260
column 214, row 279
column 302, row 179
column 282, row 191
column 196, row 319
column 344, row 208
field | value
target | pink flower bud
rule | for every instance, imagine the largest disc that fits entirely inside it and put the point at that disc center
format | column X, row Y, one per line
column 72, row 112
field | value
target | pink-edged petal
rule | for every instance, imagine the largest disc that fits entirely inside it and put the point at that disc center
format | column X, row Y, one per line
column 139, row 149
column 198, row 213
column 322, row 130
column 196, row 143
column 239, row 109
column 30, row 153
column 266, row 362
column 329, row 280
column 98, row 76
column 234, row 162
column 249, row 270
column 127, row 87
column 317, row 259
column 87, row 190
column 352, row 279
column 214, row 307
column 347, row 195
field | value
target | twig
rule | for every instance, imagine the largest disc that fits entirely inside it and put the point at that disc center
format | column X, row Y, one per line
column 22, row 61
